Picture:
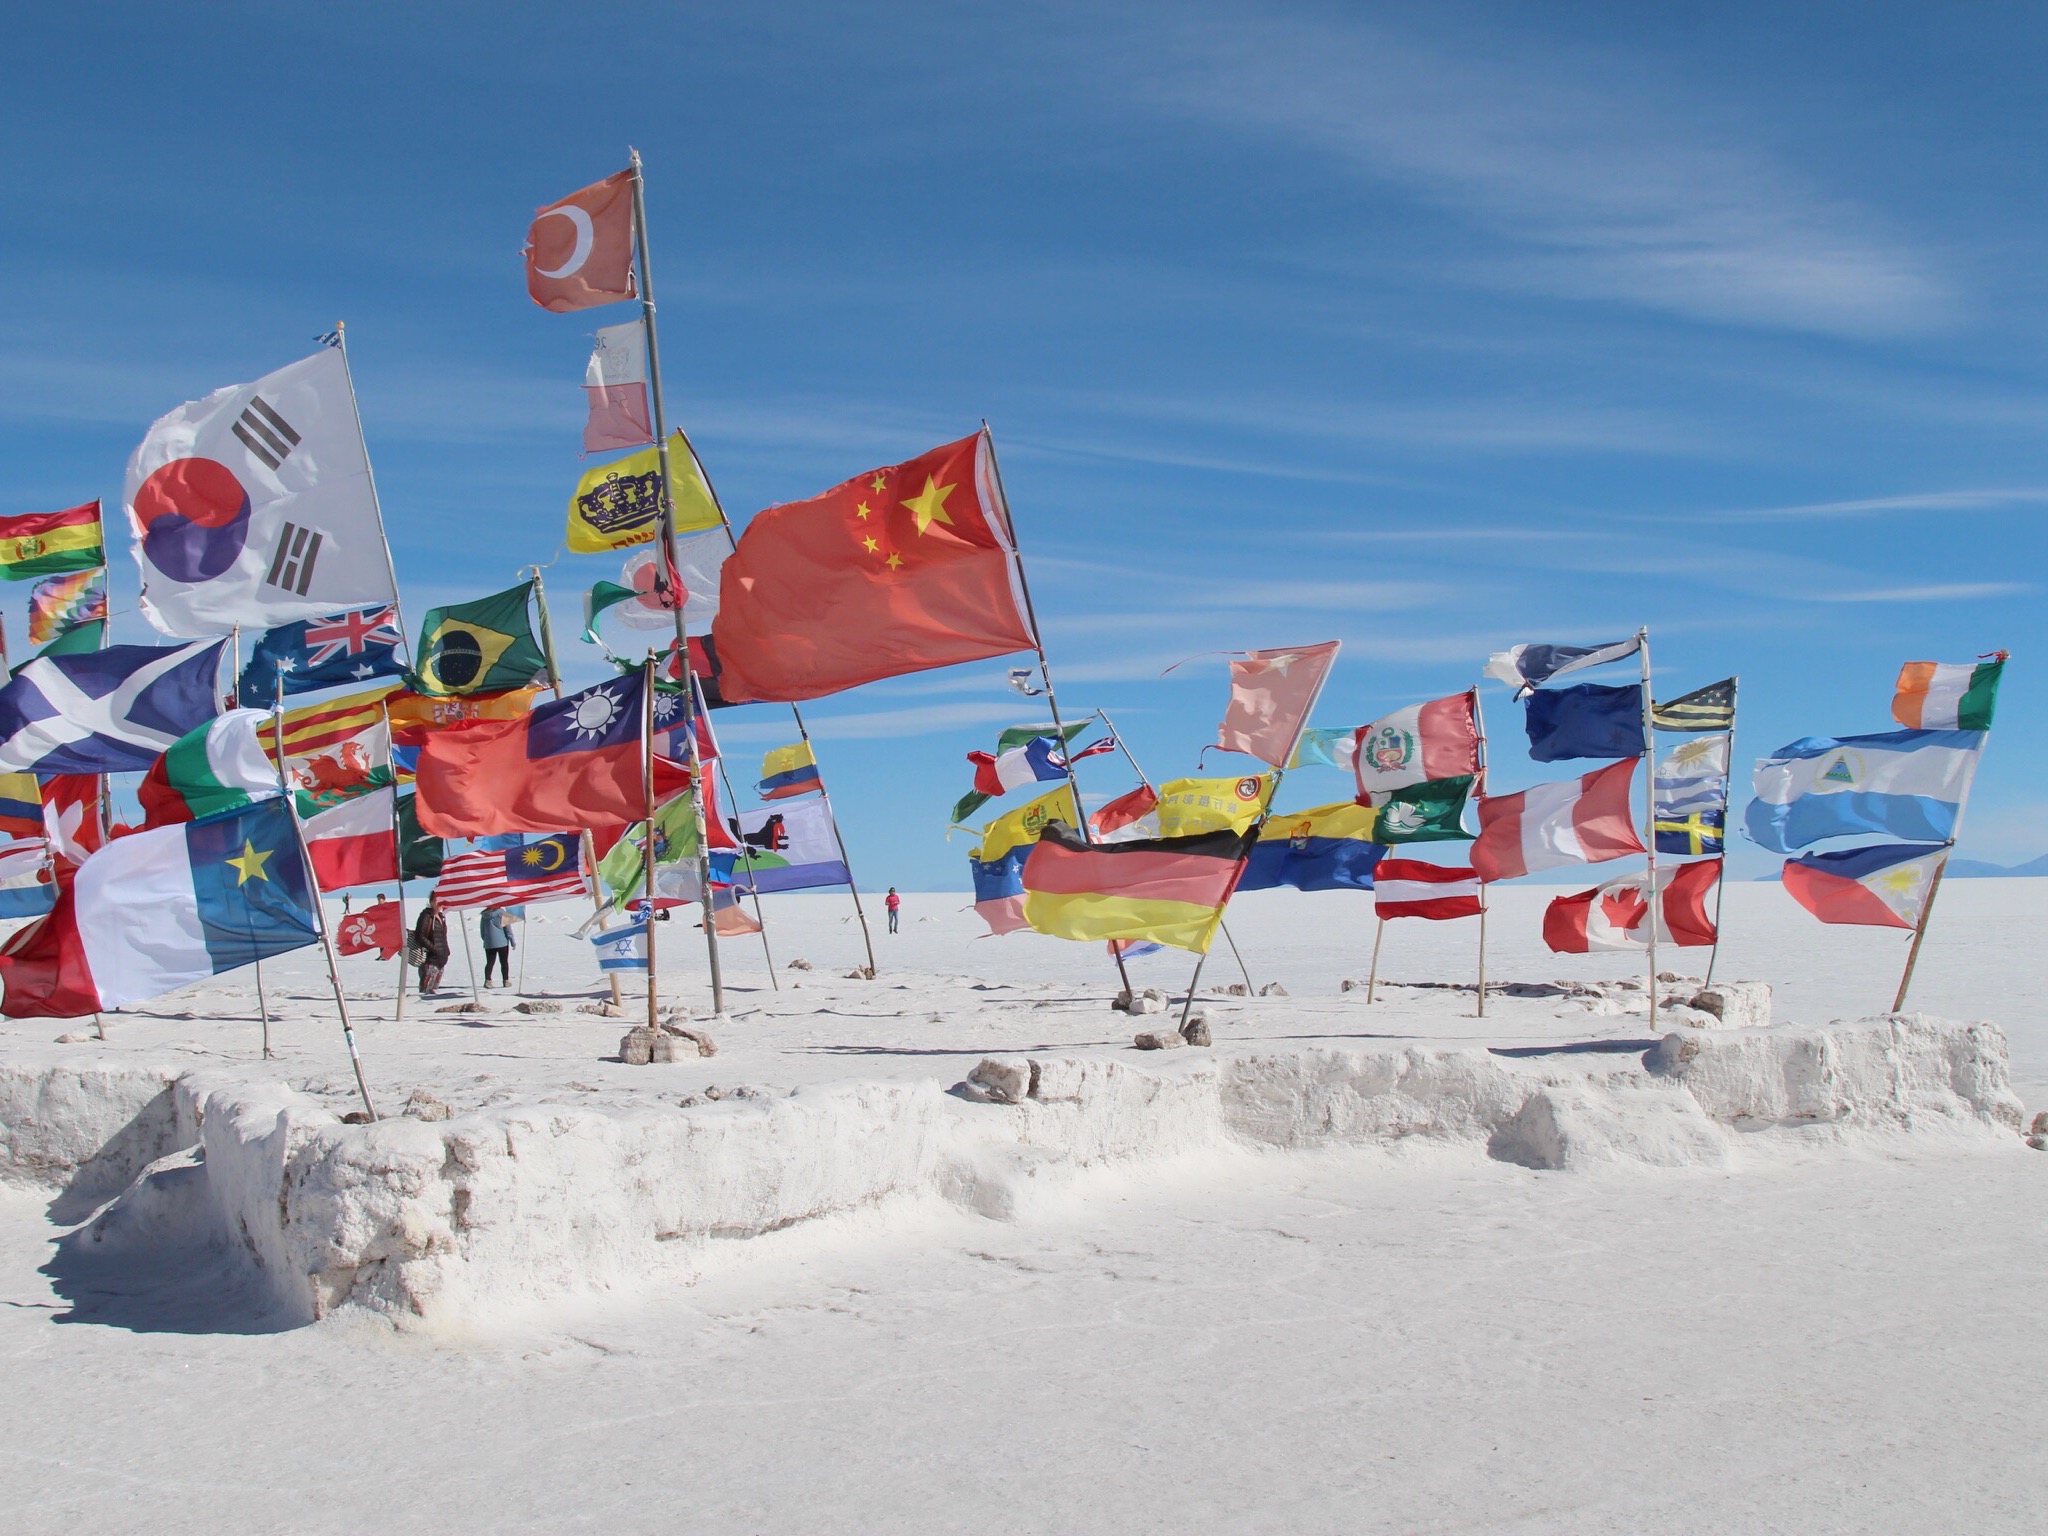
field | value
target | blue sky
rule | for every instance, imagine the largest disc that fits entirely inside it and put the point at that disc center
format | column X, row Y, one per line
column 1433, row 332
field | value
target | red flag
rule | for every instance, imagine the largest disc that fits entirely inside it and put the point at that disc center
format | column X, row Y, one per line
column 570, row 764
column 1587, row 820
column 44, row 964
column 1271, row 694
column 579, row 252
column 903, row 569
column 71, row 815
column 375, row 927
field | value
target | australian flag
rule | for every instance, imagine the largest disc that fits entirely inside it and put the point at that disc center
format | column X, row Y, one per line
column 350, row 647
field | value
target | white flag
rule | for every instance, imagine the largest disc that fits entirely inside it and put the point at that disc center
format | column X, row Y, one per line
column 253, row 506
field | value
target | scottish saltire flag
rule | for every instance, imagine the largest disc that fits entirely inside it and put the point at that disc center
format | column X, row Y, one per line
column 790, row 847
column 157, row 910
column 1904, row 784
column 312, row 654
column 110, row 711
column 1589, row 720
column 1329, row 848
column 1882, row 887
column 1711, row 708
column 621, row 949
column 1523, row 667
column 1948, row 696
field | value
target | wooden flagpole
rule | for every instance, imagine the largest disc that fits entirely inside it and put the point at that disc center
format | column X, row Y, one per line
column 277, row 718
column 647, row 850
column 664, row 569
column 1650, row 813
column 1920, row 930
column 1052, row 702
column 1727, row 795
column 1372, row 977
column 370, row 474
column 1479, row 787
column 398, row 849
column 348, row 1033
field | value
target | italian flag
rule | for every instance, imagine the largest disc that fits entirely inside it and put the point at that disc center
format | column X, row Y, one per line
column 1948, row 696
column 219, row 767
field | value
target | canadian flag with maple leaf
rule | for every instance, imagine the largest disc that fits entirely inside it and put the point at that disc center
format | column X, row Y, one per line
column 1617, row 915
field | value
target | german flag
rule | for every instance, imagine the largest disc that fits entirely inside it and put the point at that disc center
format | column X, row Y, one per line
column 41, row 544
column 1169, row 890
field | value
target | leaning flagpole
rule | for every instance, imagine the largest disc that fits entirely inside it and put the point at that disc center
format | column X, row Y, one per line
column 1052, row 701
column 398, row 852
column 647, row 848
column 1650, row 812
column 1727, row 795
column 767, row 954
column 1933, row 889
column 665, row 574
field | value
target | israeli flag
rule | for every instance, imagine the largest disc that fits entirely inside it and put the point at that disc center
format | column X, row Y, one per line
column 621, row 949
column 110, row 711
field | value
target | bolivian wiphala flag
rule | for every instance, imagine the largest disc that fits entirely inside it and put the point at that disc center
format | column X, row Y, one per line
column 1170, row 890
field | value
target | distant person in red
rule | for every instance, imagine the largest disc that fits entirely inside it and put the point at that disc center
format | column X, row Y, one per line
column 895, row 904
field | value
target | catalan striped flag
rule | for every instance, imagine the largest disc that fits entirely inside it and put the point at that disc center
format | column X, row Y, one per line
column 40, row 544
column 1169, row 890
column 787, row 771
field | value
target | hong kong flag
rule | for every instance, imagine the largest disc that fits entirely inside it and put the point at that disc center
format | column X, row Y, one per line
column 898, row 570
column 579, row 252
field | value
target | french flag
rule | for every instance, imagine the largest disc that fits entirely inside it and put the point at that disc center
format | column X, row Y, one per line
column 1411, row 888
column 1586, row 820
column 999, row 773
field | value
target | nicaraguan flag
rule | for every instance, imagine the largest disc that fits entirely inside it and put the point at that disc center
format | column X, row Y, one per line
column 110, row 711
column 1590, row 720
column 158, row 910
column 1904, row 784
column 312, row 654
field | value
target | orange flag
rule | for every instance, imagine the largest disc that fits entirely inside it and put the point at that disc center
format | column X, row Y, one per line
column 1271, row 694
column 579, row 252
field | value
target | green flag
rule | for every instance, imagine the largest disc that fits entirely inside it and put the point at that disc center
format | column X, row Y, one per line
column 606, row 594
column 485, row 646
column 82, row 637
column 1430, row 812
column 623, row 872
column 419, row 856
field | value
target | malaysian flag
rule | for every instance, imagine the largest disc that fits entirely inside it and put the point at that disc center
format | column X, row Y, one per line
column 537, row 869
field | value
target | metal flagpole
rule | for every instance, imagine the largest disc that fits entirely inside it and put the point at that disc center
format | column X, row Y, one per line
column 262, row 999
column 547, row 650
column 398, row 847
column 664, row 569
column 1372, row 977
column 1650, row 813
column 469, row 956
column 376, row 505
column 1052, row 702
column 1224, row 928
column 1727, row 794
column 647, row 849
column 1479, row 724
column 732, row 796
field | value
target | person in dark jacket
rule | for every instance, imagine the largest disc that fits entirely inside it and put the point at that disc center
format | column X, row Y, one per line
column 430, row 937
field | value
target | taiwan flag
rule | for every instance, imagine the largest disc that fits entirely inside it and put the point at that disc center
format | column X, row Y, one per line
column 898, row 570
column 571, row 764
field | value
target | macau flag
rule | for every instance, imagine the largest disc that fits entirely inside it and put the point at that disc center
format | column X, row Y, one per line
column 617, row 504
column 485, row 646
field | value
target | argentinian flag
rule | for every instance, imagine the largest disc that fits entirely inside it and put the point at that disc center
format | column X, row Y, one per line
column 1904, row 784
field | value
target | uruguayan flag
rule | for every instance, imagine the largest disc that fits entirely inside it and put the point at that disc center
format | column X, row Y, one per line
column 107, row 711
column 1692, row 777
column 1903, row 784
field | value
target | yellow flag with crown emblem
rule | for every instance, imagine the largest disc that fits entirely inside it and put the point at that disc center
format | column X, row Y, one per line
column 615, row 504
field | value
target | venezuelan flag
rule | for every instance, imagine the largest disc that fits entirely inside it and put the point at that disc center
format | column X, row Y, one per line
column 1329, row 848
column 787, row 771
column 1169, row 890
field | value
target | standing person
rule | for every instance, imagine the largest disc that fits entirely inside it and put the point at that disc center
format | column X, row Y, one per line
column 895, row 904
column 496, row 927
column 430, row 941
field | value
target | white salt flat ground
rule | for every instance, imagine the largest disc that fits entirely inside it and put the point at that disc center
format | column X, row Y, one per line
column 1841, row 1339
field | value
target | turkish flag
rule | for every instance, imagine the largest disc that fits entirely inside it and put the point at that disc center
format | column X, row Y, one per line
column 898, row 570
column 375, row 927
column 579, row 252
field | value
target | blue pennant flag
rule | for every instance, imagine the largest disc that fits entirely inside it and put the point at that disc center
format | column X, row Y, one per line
column 312, row 654
column 111, row 711
column 1590, row 720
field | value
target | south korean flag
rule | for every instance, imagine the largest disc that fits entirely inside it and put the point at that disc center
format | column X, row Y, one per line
column 254, row 506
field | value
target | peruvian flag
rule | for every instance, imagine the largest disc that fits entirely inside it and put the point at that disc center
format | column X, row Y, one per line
column 1618, row 915
column 1586, row 820
column 579, row 252
column 1411, row 888
column 356, row 843
column 997, row 773
column 1436, row 740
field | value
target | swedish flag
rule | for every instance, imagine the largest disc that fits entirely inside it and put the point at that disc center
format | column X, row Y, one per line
column 1695, row 832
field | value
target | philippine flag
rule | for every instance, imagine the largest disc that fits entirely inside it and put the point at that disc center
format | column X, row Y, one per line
column 1882, row 887
column 1909, row 785
column 1586, row 820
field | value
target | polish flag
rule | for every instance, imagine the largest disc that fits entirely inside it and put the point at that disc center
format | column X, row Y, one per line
column 616, row 386
column 1411, row 888
column 1617, row 915
column 356, row 843
column 579, row 252
column 1586, row 820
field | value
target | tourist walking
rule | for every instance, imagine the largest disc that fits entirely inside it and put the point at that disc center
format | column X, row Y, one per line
column 496, row 927
column 430, row 946
column 895, row 904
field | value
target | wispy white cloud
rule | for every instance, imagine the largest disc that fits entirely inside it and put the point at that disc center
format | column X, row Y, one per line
column 1986, row 500
column 1936, row 593
column 1601, row 181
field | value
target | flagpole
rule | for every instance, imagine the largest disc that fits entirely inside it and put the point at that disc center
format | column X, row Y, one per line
column 647, row 849
column 1479, row 786
column 398, row 851
column 1372, row 977
column 277, row 718
column 1920, row 931
column 547, row 650
column 1052, row 700
column 664, row 571
column 733, row 796
column 1650, row 813
column 1224, row 928
column 370, row 474
column 1727, row 794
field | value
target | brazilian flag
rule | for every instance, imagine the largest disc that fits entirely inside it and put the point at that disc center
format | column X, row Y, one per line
column 486, row 646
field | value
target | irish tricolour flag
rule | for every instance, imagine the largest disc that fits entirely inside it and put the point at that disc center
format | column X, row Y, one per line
column 1948, row 696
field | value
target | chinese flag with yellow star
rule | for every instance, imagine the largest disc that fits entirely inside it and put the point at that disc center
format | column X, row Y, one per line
column 898, row 570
